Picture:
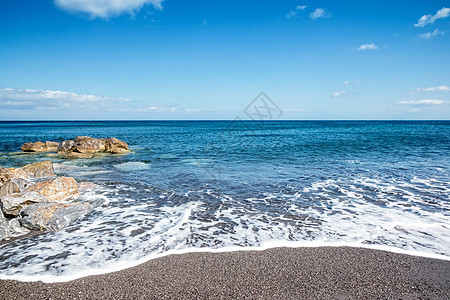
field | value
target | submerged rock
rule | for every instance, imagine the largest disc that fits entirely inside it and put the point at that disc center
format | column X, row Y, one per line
column 39, row 147
column 58, row 189
column 12, row 204
column 13, row 186
column 52, row 216
column 83, row 186
column 40, row 169
column 75, row 155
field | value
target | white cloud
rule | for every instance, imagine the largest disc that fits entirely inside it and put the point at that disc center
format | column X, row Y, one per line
column 423, row 102
column 339, row 94
column 429, row 35
column 319, row 13
column 106, row 8
column 430, row 19
column 371, row 46
column 294, row 12
column 441, row 88
column 29, row 99
column 346, row 82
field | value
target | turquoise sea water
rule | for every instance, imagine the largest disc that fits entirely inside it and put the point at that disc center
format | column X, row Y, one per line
column 222, row 184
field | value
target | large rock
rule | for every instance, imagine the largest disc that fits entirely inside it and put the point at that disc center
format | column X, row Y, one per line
column 40, row 169
column 58, row 189
column 52, row 216
column 39, row 147
column 5, row 175
column 13, row 203
column 13, row 186
column 114, row 145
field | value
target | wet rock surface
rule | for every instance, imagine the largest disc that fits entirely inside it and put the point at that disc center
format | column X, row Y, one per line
column 12, row 204
column 52, row 216
column 58, row 189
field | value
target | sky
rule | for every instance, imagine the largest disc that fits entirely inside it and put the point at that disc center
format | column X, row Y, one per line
column 211, row 59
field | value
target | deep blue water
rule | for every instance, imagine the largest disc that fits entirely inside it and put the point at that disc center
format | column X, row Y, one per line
column 220, row 184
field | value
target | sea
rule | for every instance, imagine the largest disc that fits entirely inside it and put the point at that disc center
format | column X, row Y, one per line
column 192, row 186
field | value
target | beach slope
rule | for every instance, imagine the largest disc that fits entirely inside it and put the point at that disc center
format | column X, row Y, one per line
column 279, row 273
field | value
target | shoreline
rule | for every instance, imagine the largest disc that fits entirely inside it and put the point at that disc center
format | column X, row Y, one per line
column 306, row 272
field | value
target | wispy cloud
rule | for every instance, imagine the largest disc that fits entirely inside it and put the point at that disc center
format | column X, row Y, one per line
column 441, row 88
column 429, row 35
column 430, row 19
column 423, row 102
column 106, row 8
column 339, row 94
column 29, row 99
column 371, row 46
column 320, row 13
column 294, row 12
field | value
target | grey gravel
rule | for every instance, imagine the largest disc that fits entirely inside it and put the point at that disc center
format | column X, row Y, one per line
column 279, row 273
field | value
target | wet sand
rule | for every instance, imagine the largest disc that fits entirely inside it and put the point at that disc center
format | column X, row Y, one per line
column 279, row 273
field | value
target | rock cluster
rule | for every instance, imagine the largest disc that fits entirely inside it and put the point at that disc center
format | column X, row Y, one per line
column 29, row 202
column 80, row 147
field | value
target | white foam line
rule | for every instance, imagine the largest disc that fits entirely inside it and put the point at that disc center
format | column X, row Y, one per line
column 270, row 245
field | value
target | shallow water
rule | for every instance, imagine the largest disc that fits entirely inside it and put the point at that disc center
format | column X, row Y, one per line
column 239, row 185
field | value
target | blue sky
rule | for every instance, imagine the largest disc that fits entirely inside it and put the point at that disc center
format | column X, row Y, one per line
column 174, row 59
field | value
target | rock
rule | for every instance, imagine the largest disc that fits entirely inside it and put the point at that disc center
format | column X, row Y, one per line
column 13, row 203
column 51, row 146
column 15, row 228
column 89, row 145
column 81, row 139
column 34, row 147
column 114, row 145
column 13, row 186
column 5, row 175
column 65, row 146
column 58, row 189
column 40, row 169
column 52, row 216
column 4, row 227
column 39, row 147
column 75, row 155
column 120, row 151
column 18, row 173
